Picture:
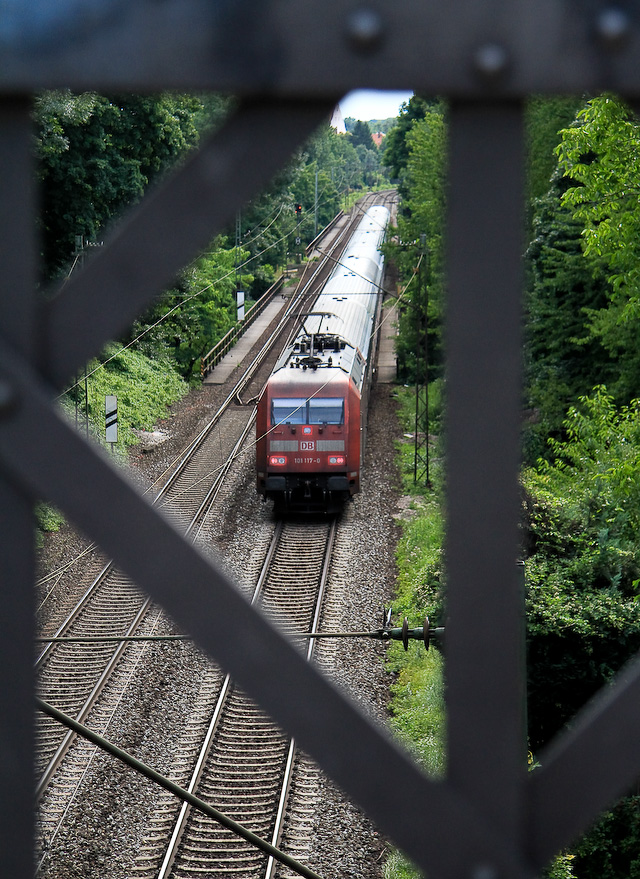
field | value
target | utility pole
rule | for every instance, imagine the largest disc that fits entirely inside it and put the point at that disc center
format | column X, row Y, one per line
column 315, row 208
column 421, row 440
column 237, row 248
column 239, row 292
column 79, row 253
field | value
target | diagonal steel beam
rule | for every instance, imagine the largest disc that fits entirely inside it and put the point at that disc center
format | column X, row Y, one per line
column 17, row 564
column 425, row 818
column 588, row 766
column 171, row 225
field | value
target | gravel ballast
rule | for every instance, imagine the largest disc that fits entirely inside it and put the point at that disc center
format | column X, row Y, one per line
column 109, row 819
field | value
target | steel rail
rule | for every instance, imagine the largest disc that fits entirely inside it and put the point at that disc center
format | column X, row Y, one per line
column 113, row 661
column 180, row 826
column 72, row 617
column 256, row 363
column 167, row 784
column 195, row 443
column 288, row 774
column 90, row 701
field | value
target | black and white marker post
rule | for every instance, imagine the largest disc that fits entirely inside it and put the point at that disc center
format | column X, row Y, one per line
column 111, row 420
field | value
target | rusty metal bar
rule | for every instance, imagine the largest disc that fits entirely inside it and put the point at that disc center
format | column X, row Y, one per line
column 175, row 789
column 17, row 326
column 473, row 824
column 485, row 607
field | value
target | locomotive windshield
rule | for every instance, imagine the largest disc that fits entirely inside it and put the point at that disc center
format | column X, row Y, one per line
column 289, row 410
column 326, row 410
column 317, row 410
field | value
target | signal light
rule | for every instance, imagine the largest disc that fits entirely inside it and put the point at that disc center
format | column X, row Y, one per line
column 298, row 209
column 277, row 460
column 337, row 460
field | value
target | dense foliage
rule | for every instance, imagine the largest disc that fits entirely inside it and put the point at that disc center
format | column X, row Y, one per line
column 584, row 293
column 583, row 560
column 97, row 154
column 144, row 387
column 598, row 155
column 563, row 361
column 420, row 142
column 581, row 483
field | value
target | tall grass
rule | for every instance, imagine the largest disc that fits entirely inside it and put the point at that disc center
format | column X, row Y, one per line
column 417, row 703
column 144, row 387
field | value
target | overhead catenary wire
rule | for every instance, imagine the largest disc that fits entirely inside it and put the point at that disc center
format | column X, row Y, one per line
column 248, row 449
column 188, row 299
column 184, row 301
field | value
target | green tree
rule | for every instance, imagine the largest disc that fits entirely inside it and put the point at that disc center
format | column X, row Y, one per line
column 187, row 320
column 396, row 148
column 583, row 574
column 361, row 135
column 420, row 229
column 582, row 560
column 598, row 155
column 382, row 125
column 563, row 360
column 97, row 154
column 545, row 118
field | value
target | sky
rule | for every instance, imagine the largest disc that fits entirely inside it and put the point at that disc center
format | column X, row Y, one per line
column 367, row 105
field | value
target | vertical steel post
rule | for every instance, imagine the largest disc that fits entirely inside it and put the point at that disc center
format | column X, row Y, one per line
column 17, row 321
column 487, row 758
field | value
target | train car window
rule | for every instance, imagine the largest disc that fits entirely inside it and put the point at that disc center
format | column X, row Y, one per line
column 326, row 410
column 289, row 410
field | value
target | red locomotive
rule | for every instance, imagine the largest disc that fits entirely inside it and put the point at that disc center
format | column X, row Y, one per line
column 311, row 420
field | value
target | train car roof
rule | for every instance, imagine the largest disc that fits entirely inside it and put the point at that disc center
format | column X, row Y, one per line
column 337, row 334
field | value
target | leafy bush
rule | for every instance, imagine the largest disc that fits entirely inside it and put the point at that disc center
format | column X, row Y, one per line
column 583, row 573
column 144, row 389
column 583, row 565
column 48, row 519
column 612, row 848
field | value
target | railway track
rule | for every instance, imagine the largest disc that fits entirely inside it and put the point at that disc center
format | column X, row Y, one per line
column 245, row 763
column 73, row 675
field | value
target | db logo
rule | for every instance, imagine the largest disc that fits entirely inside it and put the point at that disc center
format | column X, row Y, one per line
column 306, row 446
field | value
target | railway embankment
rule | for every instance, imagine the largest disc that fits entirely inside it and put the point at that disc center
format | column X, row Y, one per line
column 107, row 827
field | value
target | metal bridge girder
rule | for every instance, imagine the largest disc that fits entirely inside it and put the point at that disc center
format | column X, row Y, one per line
column 489, row 818
column 289, row 48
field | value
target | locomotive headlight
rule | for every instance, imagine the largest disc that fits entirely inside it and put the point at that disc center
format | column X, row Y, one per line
column 277, row 460
column 337, row 460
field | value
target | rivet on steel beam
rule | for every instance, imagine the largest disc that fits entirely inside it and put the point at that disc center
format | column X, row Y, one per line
column 491, row 60
column 365, row 28
column 8, row 397
column 484, row 871
column 613, row 26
